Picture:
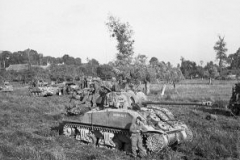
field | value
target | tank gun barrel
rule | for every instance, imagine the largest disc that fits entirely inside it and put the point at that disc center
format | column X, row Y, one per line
column 207, row 103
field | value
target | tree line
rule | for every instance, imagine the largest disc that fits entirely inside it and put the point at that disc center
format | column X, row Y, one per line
column 126, row 66
column 30, row 56
column 227, row 65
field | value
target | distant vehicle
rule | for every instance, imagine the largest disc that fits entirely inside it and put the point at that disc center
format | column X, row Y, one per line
column 6, row 87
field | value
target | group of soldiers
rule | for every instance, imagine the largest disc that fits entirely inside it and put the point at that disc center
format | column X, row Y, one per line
column 93, row 96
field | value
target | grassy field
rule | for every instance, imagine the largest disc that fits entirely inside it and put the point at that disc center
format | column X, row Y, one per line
column 29, row 127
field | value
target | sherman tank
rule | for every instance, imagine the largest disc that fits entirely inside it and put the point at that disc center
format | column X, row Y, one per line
column 108, row 126
column 234, row 102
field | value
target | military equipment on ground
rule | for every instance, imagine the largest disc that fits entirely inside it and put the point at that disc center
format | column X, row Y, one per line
column 71, row 87
column 110, row 128
column 6, row 87
column 234, row 103
column 43, row 91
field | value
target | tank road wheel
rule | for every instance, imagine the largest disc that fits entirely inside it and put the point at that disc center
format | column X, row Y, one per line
column 156, row 142
column 186, row 134
column 68, row 131
column 92, row 139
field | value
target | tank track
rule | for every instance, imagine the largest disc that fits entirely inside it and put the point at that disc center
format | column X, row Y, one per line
column 152, row 142
column 86, row 126
column 96, row 135
column 36, row 94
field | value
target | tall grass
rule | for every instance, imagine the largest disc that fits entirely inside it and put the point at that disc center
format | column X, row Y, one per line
column 29, row 127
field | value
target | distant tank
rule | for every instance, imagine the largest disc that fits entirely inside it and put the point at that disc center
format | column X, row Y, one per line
column 234, row 102
column 43, row 91
column 109, row 127
column 6, row 87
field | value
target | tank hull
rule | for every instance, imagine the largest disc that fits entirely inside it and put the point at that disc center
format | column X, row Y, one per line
column 110, row 128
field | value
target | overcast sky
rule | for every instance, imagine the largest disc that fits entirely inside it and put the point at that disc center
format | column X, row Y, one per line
column 166, row 29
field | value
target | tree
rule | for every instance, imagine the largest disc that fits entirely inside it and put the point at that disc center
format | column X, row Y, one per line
column 63, row 72
column 93, row 62
column 141, row 60
column 68, row 60
column 200, row 71
column 212, row 71
column 123, row 34
column 188, row 68
column 40, row 73
column 105, row 72
column 91, row 67
column 220, row 48
column 234, row 60
column 175, row 76
column 153, row 61
column 78, row 61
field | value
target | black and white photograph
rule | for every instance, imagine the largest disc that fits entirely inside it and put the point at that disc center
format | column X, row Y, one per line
column 119, row 80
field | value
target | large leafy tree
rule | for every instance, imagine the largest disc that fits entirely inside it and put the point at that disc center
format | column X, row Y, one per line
column 105, row 72
column 68, row 60
column 123, row 34
column 220, row 48
column 188, row 68
column 211, row 71
column 91, row 67
column 153, row 61
column 63, row 72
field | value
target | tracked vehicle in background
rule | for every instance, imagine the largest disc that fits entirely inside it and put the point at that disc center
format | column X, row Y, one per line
column 6, row 87
column 43, row 91
column 109, row 126
column 234, row 102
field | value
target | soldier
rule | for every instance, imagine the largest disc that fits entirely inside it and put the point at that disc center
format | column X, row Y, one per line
column 136, row 139
column 84, row 103
column 115, row 86
column 92, row 94
column 85, row 83
column 101, row 100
